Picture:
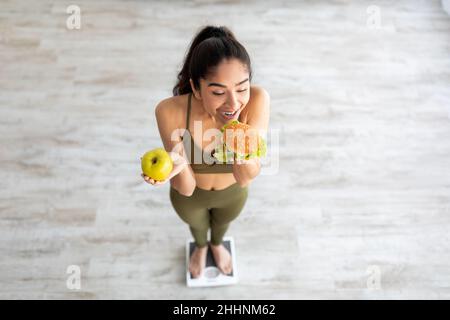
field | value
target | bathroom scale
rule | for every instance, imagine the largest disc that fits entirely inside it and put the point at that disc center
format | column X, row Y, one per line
column 211, row 275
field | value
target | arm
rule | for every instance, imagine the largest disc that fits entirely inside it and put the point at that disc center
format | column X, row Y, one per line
column 244, row 172
column 258, row 118
column 184, row 182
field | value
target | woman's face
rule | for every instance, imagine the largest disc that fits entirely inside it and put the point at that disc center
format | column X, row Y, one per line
column 226, row 93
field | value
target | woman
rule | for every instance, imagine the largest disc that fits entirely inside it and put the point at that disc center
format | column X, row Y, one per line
column 213, row 88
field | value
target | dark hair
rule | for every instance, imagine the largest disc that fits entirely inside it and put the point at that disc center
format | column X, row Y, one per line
column 209, row 47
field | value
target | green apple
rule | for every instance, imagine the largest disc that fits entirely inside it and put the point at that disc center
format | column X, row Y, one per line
column 157, row 164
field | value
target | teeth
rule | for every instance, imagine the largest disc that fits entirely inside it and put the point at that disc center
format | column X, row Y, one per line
column 229, row 114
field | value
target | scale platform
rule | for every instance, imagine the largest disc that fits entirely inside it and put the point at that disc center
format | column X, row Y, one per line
column 211, row 275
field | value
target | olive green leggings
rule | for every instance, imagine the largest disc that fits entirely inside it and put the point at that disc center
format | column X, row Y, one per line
column 206, row 209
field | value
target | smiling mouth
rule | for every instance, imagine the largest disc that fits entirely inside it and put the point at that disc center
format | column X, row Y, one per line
column 230, row 114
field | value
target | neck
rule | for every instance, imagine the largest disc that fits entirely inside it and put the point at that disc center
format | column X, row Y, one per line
column 203, row 115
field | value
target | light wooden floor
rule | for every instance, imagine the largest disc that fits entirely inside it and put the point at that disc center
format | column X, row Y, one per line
column 363, row 188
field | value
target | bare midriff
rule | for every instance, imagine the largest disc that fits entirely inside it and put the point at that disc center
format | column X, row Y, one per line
column 216, row 181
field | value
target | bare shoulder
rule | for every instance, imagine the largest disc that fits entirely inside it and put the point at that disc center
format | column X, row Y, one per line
column 258, row 92
column 170, row 111
column 258, row 108
column 259, row 101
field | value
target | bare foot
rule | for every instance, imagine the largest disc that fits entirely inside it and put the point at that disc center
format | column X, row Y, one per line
column 222, row 258
column 198, row 261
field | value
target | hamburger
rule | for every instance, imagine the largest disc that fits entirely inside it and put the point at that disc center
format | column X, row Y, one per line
column 239, row 141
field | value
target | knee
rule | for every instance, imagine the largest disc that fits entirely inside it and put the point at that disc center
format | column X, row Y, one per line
column 194, row 222
column 223, row 220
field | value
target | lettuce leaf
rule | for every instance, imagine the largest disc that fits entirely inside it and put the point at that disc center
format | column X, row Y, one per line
column 228, row 156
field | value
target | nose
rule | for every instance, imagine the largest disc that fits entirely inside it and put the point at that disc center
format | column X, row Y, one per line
column 233, row 101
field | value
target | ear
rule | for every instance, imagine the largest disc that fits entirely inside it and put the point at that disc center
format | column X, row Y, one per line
column 196, row 92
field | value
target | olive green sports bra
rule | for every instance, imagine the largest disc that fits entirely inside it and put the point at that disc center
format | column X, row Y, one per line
column 216, row 166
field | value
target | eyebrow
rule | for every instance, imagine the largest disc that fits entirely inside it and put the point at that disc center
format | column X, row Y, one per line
column 224, row 86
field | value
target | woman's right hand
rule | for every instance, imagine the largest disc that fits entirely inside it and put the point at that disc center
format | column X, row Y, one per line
column 179, row 163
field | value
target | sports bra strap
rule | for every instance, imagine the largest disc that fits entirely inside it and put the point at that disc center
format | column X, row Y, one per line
column 188, row 111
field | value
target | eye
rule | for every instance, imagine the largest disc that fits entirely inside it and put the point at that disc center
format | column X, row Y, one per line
column 221, row 93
